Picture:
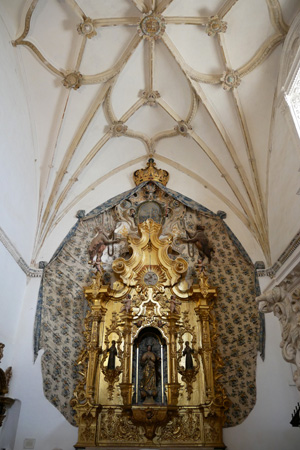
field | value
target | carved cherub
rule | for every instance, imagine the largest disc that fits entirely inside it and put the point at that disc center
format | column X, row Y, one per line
column 173, row 304
column 201, row 241
column 126, row 304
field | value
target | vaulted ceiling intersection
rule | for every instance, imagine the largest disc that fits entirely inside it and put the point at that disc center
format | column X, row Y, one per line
column 182, row 81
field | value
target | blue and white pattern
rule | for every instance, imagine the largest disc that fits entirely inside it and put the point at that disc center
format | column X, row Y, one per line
column 61, row 305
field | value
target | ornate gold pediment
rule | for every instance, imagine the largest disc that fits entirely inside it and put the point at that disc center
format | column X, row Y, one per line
column 150, row 264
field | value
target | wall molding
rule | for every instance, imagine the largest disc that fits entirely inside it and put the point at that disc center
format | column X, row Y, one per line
column 288, row 259
column 29, row 271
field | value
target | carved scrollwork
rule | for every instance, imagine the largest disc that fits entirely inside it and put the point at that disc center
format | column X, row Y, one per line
column 186, row 427
column 117, row 427
column 286, row 307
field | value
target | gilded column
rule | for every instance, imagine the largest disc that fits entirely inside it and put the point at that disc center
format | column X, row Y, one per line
column 173, row 385
column 93, row 350
column 203, row 313
column 84, row 395
column 126, row 385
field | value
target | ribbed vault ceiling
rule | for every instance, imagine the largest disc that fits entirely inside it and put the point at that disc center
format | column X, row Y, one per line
column 191, row 82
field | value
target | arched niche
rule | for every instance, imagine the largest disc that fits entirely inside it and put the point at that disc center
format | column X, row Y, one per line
column 149, row 336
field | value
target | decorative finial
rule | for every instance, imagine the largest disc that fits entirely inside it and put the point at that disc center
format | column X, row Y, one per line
column 151, row 173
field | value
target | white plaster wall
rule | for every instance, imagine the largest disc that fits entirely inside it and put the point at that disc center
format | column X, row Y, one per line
column 18, row 178
column 18, row 193
column 284, row 183
column 12, row 286
column 38, row 418
column 267, row 427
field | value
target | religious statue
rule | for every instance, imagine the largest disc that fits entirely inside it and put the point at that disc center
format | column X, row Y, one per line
column 173, row 305
column 126, row 304
column 187, row 352
column 149, row 380
column 97, row 247
column 201, row 241
column 111, row 365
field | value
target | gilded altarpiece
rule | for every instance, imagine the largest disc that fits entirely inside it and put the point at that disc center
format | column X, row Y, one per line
column 149, row 257
column 150, row 366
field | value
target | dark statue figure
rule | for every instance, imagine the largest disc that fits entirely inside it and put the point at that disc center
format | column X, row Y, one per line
column 111, row 365
column 187, row 352
column 97, row 247
column 201, row 241
column 148, row 387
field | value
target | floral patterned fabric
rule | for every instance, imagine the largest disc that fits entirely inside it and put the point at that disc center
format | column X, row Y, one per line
column 61, row 306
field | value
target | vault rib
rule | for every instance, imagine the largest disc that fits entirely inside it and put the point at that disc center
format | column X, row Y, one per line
column 225, row 8
column 27, row 22
column 187, row 20
column 256, row 199
column 262, row 53
column 186, row 69
column 80, row 55
column 137, row 105
column 110, row 111
column 227, row 141
column 261, row 213
column 209, row 186
column 276, row 16
column 163, row 135
column 272, row 125
column 70, row 152
column 76, row 8
column 108, row 108
column 214, row 160
column 226, row 176
column 250, row 153
column 59, row 130
column 140, row 5
column 113, row 71
column 72, row 180
column 48, row 221
column 40, row 56
column 163, row 6
column 193, row 107
column 94, row 185
column 142, row 137
column 151, row 46
column 230, row 147
column 115, row 21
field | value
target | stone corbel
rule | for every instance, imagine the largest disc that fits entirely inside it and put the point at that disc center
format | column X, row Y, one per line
column 286, row 307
